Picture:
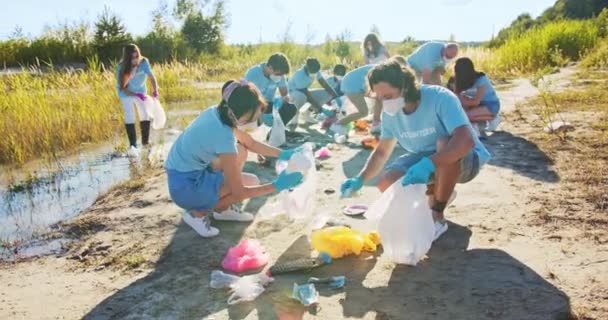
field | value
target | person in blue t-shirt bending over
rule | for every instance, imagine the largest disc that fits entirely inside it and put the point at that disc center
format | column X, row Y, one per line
column 429, row 123
column 300, row 93
column 131, row 76
column 430, row 59
column 335, row 79
column 204, row 166
column 477, row 94
column 269, row 77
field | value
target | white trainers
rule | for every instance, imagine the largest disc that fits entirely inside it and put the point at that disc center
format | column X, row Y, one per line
column 233, row 213
column 309, row 118
column 202, row 226
column 133, row 152
column 376, row 129
column 493, row 125
column 339, row 129
column 440, row 228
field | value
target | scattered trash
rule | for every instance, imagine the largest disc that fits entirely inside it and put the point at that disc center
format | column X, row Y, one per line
column 559, row 126
column 355, row 210
column 340, row 138
column 333, row 282
column 329, row 191
column 246, row 288
column 323, row 153
column 307, row 294
column 302, row 264
column 247, row 255
column 341, row 241
column 277, row 134
column 405, row 223
column 331, row 146
column 320, row 221
column 370, row 143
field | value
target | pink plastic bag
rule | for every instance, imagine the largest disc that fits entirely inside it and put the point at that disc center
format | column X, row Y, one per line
column 247, row 255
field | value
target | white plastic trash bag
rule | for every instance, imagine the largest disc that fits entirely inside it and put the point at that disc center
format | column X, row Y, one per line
column 277, row 135
column 156, row 112
column 300, row 202
column 405, row 223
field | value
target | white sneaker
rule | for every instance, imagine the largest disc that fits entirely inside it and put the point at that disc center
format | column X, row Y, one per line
column 376, row 129
column 202, row 225
column 309, row 118
column 493, row 125
column 440, row 228
column 133, row 152
column 339, row 129
column 233, row 213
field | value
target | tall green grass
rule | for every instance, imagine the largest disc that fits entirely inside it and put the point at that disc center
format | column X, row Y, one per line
column 49, row 113
column 551, row 45
column 598, row 57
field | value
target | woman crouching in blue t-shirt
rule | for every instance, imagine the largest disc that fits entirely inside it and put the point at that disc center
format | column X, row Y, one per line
column 204, row 166
column 431, row 126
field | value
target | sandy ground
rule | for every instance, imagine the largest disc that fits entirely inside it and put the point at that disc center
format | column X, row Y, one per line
column 136, row 259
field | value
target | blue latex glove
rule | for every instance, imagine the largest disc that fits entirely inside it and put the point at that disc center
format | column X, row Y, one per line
column 287, row 181
column 420, row 173
column 328, row 112
column 351, row 185
column 277, row 103
column 286, row 154
column 267, row 119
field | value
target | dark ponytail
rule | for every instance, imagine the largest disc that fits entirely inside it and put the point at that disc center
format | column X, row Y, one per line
column 242, row 99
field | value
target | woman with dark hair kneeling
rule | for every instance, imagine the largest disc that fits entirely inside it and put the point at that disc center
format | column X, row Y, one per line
column 205, row 164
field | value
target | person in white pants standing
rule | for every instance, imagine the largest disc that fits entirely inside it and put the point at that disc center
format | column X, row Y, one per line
column 131, row 75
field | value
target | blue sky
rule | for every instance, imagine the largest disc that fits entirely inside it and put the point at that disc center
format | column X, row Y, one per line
column 252, row 20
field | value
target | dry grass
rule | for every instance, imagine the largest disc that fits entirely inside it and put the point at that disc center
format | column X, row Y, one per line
column 580, row 157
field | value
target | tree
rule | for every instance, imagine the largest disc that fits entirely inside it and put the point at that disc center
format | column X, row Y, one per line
column 342, row 47
column 205, row 33
column 110, row 36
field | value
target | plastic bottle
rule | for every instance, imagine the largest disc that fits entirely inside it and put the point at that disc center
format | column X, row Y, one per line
column 299, row 264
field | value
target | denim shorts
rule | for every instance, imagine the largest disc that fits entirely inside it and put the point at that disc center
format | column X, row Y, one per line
column 493, row 106
column 195, row 190
column 469, row 165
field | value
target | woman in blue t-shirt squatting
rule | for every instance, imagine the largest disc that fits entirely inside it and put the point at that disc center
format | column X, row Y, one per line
column 430, row 124
column 131, row 76
column 205, row 164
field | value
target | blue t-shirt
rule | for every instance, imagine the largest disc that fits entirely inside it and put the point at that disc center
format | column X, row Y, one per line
column 137, row 80
column 490, row 94
column 333, row 82
column 267, row 87
column 201, row 143
column 301, row 80
column 355, row 81
column 437, row 116
column 427, row 56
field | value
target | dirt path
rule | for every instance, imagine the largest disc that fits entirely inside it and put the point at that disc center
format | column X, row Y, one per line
column 138, row 260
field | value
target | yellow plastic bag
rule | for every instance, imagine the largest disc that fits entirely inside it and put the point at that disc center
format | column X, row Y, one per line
column 342, row 241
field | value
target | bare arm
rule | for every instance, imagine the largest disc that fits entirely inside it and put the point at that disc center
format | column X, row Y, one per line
column 328, row 88
column 283, row 92
column 154, row 82
column 468, row 102
column 233, row 180
column 255, row 146
column 310, row 98
column 375, row 162
column 458, row 146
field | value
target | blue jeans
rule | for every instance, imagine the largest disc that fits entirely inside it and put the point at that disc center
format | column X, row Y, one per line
column 195, row 190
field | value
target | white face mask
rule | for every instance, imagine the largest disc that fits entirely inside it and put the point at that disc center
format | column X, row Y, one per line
column 249, row 128
column 392, row 106
column 275, row 78
column 339, row 78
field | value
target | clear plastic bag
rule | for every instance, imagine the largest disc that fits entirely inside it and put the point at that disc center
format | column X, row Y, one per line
column 277, row 135
column 405, row 223
column 156, row 112
column 300, row 202
column 246, row 288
